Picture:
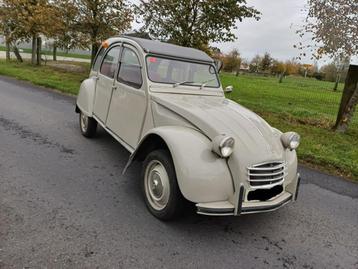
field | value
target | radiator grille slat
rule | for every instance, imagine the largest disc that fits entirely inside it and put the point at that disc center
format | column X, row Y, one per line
column 266, row 174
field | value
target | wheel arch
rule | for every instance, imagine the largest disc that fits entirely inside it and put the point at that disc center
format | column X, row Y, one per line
column 202, row 176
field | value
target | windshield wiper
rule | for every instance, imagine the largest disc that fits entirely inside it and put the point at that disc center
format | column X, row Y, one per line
column 203, row 84
column 181, row 83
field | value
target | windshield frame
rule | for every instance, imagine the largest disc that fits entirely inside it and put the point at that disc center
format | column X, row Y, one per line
column 187, row 61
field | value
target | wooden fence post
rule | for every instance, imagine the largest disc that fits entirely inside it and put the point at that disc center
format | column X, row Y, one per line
column 349, row 100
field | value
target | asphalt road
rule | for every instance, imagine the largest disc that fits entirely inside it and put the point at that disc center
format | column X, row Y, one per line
column 65, row 204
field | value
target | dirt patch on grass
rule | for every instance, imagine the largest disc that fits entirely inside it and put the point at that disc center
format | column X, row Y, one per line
column 68, row 67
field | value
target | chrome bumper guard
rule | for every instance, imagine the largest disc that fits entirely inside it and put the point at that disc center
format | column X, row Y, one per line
column 226, row 208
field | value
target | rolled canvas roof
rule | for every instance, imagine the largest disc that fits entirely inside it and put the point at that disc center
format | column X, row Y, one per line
column 167, row 49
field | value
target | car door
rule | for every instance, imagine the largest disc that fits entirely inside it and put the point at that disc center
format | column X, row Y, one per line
column 105, row 83
column 128, row 104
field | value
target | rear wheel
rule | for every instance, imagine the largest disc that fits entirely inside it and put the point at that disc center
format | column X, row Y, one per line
column 161, row 192
column 88, row 125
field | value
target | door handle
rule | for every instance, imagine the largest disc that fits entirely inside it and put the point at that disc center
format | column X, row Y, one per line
column 114, row 87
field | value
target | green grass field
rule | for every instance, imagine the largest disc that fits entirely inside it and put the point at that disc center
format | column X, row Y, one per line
column 59, row 53
column 307, row 106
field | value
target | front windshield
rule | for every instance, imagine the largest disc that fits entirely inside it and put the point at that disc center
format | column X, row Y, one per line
column 179, row 72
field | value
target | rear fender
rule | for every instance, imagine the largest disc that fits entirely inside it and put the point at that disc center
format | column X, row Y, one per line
column 85, row 98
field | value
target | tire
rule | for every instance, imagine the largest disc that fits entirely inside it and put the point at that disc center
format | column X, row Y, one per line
column 160, row 187
column 88, row 125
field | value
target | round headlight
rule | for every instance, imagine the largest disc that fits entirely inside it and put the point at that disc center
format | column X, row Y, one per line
column 290, row 140
column 223, row 145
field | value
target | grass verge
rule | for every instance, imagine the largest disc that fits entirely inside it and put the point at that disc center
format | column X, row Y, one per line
column 302, row 105
column 48, row 76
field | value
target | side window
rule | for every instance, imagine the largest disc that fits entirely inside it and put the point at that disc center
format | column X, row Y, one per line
column 98, row 60
column 108, row 67
column 130, row 70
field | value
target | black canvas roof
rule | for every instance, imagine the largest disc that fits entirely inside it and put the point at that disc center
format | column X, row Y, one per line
column 167, row 49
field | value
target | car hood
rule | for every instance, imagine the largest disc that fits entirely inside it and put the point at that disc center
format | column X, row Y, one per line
column 214, row 115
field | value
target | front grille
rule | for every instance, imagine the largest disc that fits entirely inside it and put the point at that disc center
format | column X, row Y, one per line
column 266, row 174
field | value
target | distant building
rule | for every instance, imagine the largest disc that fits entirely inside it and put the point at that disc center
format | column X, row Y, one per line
column 244, row 67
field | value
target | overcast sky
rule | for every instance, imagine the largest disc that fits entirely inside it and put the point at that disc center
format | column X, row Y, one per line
column 274, row 32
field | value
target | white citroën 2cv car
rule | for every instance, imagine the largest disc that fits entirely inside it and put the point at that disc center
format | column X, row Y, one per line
column 165, row 104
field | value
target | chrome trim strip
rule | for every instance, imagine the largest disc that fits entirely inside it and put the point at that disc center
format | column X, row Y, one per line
column 267, row 186
column 271, row 174
column 268, row 179
column 282, row 165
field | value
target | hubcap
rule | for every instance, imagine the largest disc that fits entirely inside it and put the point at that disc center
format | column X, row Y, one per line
column 84, row 122
column 156, row 184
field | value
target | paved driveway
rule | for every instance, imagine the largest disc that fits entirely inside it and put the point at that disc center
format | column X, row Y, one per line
column 49, row 57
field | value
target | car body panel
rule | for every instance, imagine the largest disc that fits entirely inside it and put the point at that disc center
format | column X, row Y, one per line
column 86, row 96
column 202, row 176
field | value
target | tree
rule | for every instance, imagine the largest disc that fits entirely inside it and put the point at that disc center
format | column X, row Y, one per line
column 349, row 100
column 255, row 64
column 193, row 23
column 333, row 25
column 65, row 34
column 100, row 19
column 10, row 28
column 292, row 67
column 329, row 72
column 335, row 71
column 28, row 19
column 266, row 62
column 278, row 67
column 232, row 61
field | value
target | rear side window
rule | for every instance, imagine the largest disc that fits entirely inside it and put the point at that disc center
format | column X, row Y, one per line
column 130, row 70
column 110, row 62
column 98, row 60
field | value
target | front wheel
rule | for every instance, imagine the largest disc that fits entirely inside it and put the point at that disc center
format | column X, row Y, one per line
column 88, row 125
column 161, row 192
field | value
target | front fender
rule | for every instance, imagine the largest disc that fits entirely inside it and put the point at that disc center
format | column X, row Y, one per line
column 202, row 175
column 85, row 97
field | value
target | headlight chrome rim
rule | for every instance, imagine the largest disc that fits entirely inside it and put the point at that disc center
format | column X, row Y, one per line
column 290, row 140
column 223, row 145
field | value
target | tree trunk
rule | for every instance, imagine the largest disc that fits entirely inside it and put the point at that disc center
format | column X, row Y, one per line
column 281, row 77
column 349, row 100
column 7, row 50
column 17, row 54
column 338, row 78
column 33, row 50
column 95, row 48
column 54, row 53
column 38, row 50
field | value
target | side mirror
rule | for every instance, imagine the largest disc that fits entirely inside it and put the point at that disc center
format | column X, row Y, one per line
column 228, row 89
column 218, row 64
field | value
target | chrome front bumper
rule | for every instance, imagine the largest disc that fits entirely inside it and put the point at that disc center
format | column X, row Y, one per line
column 225, row 208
